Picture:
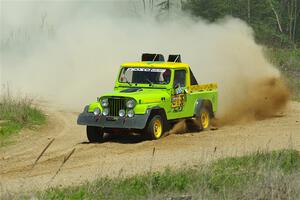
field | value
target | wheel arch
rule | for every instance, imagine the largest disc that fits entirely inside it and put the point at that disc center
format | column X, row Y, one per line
column 206, row 103
column 157, row 110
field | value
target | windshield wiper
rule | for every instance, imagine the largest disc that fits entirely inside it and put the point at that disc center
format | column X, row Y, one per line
column 127, row 81
column 150, row 83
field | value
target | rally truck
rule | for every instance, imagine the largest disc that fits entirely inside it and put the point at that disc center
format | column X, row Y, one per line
column 148, row 97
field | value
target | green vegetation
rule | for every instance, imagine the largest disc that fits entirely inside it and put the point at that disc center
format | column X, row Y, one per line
column 286, row 59
column 16, row 114
column 275, row 22
column 288, row 62
column 273, row 175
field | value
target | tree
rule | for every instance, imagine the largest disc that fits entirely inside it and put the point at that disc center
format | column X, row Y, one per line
column 275, row 22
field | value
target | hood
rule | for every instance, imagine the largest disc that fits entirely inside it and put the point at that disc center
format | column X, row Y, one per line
column 146, row 95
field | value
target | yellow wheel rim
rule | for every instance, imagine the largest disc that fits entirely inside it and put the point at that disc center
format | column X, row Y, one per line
column 157, row 128
column 205, row 119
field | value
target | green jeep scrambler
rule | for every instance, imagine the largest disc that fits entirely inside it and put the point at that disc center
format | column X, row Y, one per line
column 148, row 97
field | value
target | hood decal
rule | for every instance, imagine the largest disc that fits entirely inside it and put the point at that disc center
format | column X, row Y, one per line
column 129, row 90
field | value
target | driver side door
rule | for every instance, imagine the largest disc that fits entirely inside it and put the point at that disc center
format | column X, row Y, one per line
column 179, row 93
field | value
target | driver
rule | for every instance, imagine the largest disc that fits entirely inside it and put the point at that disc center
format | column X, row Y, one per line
column 177, row 81
column 166, row 76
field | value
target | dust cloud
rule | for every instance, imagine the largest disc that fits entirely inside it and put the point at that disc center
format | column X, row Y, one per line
column 69, row 53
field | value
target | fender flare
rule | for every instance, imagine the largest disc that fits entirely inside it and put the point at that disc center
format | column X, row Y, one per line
column 157, row 110
column 202, row 102
column 197, row 107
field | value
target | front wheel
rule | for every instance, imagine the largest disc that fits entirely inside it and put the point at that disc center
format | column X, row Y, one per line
column 155, row 128
column 94, row 134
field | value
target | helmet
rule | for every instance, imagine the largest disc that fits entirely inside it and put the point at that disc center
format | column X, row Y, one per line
column 166, row 75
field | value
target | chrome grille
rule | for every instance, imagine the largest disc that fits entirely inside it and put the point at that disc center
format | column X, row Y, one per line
column 116, row 104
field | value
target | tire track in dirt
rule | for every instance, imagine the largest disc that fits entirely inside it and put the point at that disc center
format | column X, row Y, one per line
column 130, row 155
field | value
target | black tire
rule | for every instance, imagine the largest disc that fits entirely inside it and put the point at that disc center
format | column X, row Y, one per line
column 204, row 124
column 94, row 134
column 150, row 129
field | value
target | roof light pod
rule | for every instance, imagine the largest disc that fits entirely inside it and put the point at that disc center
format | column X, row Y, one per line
column 152, row 57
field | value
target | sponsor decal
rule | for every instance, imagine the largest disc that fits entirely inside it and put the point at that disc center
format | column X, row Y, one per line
column 178, row 102
column 135, row 69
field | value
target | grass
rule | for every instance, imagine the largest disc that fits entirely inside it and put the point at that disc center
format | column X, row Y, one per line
column 15, row 114
column 285, row 58
column 262, row 175
column 288, row 62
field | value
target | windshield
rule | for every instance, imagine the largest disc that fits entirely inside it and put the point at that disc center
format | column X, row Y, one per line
column 145, row 75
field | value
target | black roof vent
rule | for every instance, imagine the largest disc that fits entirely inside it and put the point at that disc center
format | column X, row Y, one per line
column 174, row 58
column 152, row 57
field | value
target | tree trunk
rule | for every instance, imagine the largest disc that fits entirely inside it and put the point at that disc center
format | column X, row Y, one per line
column 144, row 4
column 249, row 12
column 152, row 4
column 290, row 11
column 276, row 15
column 295, row 19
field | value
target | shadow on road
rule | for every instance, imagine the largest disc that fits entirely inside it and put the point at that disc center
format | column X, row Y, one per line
column 121, row 138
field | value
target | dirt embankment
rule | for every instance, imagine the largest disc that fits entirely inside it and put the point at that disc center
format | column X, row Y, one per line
column 71, row 160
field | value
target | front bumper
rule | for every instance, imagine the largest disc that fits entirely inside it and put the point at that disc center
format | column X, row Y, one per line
column 136, row 122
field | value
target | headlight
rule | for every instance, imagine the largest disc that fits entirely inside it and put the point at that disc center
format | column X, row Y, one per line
column 130, row 113
column 104, row 102
column 122, row 113
column 105, row 111
column 97, row 111
column 130, row 103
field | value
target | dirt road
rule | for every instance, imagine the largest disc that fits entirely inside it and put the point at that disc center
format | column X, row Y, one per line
column 120, row 156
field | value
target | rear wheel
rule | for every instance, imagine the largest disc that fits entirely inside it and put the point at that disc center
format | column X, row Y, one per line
column 155, row 128
column 204, row 119
column 94, row 134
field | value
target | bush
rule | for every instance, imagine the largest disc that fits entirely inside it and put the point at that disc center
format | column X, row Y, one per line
column 288, row 62
column 15, row 114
